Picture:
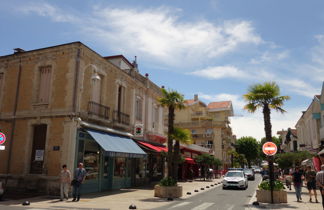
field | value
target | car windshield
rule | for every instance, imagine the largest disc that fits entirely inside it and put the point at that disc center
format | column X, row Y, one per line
column 234, row 174
column 247, row 171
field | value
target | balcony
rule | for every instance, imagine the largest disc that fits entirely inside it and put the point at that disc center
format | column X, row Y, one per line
column 201, row 123
column 121, row 118
column 98, row 110
column 205, row 136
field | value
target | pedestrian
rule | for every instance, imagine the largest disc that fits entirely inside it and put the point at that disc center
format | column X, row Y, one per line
column 310, row 176
column 65, row 180
column 320, row 182
column 298, row 182
column 79, row 176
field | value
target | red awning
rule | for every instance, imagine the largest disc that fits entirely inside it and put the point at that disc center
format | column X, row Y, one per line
column 190, row 160
column 155, row 148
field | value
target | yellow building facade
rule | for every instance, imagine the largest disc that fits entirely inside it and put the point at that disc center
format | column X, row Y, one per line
column 209, row 125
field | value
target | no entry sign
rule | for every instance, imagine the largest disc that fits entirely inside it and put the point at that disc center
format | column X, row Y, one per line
column 269, row 148
column 2, row 138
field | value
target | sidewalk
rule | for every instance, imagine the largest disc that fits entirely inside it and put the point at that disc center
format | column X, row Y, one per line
column 116, row 200
column 292, row 202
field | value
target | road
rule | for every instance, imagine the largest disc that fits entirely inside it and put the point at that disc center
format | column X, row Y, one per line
column 217, row 199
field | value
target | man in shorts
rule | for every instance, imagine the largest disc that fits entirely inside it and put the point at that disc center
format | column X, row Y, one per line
column 310, row 176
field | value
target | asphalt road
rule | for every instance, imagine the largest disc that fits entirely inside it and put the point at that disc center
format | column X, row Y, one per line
column 217, row 199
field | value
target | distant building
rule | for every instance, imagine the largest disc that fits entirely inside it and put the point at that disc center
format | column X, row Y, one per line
column 209, row 125
column 289, row 140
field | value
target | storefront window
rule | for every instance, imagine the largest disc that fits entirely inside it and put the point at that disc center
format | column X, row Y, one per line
column 120, row 169
column 91, row 159
column 140, row 168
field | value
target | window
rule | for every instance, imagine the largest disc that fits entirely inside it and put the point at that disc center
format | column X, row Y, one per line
column 44, row 84
column 155, row 116
column 120, row 99
column 138, row 108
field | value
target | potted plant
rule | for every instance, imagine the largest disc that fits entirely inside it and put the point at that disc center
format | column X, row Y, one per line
column 168, row 188
column 264, row 194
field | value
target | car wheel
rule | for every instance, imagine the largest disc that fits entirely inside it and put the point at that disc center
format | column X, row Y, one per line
column 224, row 188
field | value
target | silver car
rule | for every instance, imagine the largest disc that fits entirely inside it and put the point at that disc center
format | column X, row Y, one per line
column 235, row 179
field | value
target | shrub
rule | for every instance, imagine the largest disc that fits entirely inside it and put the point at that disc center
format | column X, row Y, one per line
column 168, row 181
column 277, row 185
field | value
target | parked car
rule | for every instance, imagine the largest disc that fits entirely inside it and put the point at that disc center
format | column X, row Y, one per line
column 235, row 179
column 1, row 190
column 257, row 170
column 249, row 173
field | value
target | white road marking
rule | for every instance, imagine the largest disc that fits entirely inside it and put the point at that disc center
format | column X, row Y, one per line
column 179, row 204
column 203, row 206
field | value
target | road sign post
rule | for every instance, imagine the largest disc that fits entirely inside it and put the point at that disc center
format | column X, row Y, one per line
column 270, row 149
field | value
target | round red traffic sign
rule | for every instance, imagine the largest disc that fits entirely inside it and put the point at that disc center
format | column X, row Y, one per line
column 269, row 148
column 2, row 138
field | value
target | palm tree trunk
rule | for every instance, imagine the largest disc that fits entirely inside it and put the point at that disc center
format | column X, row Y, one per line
column 267, row 122
column 170, row 141
column 176, row 158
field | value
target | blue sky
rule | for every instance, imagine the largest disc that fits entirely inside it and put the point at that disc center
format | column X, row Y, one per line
column 215, row 48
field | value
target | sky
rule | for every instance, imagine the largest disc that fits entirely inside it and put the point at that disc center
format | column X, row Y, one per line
column 214, row 48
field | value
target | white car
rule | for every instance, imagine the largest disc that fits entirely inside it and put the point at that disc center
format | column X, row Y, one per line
column 235, row 179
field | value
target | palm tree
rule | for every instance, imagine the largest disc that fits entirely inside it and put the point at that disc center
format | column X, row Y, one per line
column 180, row 135
column 172, row 100
column 265, row 96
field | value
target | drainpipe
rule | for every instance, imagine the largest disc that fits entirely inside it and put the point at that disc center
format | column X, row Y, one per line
column 13, row 123
column 76, row 81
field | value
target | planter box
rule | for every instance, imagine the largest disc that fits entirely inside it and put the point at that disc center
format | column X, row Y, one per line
column 167, row 192
column 264, row 196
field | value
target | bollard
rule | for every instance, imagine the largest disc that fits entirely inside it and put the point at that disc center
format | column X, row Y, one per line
column 170, row 199
column 196, row 191
column 212, row 185
column 132, row 206
column 188, row 193
column 255, row 203
column 202, row 188
column 26, row 203
column 207, row 186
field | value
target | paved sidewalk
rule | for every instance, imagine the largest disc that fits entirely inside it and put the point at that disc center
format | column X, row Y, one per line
column 143, row 198
column 292, row 202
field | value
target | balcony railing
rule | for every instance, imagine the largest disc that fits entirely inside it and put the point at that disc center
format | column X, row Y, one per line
column 201, row 123
column 202, row 136
column 98, row 110
column 121, row 118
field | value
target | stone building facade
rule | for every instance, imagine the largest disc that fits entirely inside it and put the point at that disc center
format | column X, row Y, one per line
column 67, row 104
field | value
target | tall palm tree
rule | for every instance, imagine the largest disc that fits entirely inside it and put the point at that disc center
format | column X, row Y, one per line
column 265, row 96
column 172, row 100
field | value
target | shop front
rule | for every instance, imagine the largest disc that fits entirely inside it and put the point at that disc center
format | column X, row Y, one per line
column 111, row 161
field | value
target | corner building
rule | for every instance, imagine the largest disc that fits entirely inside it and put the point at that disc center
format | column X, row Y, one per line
column 67, row 104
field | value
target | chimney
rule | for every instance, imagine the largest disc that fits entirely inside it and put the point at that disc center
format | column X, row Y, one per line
column 135, row 65
column 196, row 97
column 18, row 50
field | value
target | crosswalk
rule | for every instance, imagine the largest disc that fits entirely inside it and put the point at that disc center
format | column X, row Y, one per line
column 200, row 206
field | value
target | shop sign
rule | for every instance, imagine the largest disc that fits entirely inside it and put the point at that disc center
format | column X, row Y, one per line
column 2, row 138
column 138, row 130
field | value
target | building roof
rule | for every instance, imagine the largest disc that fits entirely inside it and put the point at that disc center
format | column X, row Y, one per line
column 189, row 102
column 220, row 105
column 121, row 57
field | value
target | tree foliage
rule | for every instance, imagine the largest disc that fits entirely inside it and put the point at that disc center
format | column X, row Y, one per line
column 289, row 159
column 248, row 146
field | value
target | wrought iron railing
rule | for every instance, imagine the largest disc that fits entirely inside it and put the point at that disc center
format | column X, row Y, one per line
column 121, row 118
column 98, row 110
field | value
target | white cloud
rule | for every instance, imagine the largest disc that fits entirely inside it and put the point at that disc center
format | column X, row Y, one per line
column 218, row 72
column 268, row 57
column 253, row 124
column 157, row 33
column 299, row 86
column 47, row 10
